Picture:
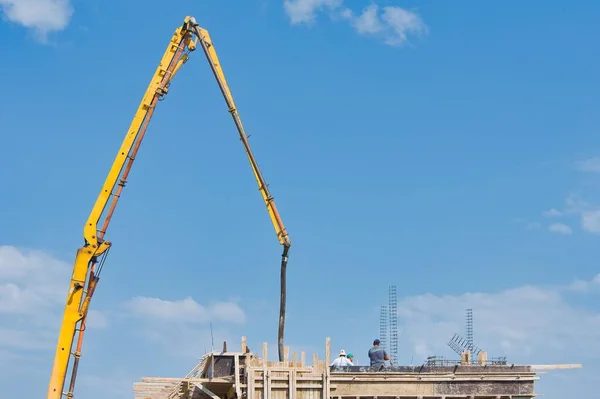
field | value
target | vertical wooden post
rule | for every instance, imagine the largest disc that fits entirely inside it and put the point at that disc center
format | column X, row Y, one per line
column 244, row 346
column 236, row 364
column 286, row 355
column 265, row 354
column 291, row 385
column 326, row 383
column 294, row 359
column 482, row 358
column 249, row 382
column 327, row 351
column 267, row 384
column 302, row 359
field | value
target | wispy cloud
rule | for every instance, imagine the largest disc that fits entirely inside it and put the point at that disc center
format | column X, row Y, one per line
column 305, row 11
column 589, row 215
column 560, row 228
column 590, row 221
column 533, row 225
column 42, row 16
column 585, row 285
column 588, row 212
column 522, row 322
column 181, row 328
column 551, row 212
column 33, row 288
column 530, row 225
column 391, row 24
column 589, row 165
column 185, row 310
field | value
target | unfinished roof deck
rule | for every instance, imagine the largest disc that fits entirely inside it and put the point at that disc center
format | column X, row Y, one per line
column 242, row 375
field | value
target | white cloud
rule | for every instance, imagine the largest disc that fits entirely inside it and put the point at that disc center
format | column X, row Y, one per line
column 114, row 386
column 392, row 24
column 186, row 310
column 96, row 319
column 589, row 165
column 560, row 228
column 528, row 322
column 30, row 281
column 181, row 328
column 33, row 288
column 368, row 22
column 399, row 23
column 43, row 16
column 552, row 212
column 304, row 11
column 590, row 221
column 585, row 286
column 589, row 215
column 533, row 225
column 186, row 342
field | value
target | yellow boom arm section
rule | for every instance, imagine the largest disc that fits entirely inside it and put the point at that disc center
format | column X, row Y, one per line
column 90, row 257
column 213, row 61
column 282, row 235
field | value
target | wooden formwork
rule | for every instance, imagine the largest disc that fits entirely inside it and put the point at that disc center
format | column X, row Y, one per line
column 242, row 375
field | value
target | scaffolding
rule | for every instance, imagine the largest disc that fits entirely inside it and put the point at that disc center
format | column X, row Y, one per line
column 383, row 327
column 393, row 307
column 469, row 329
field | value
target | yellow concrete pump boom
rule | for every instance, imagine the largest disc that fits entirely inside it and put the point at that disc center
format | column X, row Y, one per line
column 91, row 256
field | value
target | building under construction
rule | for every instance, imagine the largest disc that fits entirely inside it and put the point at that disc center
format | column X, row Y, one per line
column 244, row 375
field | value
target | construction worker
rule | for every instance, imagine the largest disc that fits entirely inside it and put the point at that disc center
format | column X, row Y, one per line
column 378, row 355
column 350, row 357
column 341, row 360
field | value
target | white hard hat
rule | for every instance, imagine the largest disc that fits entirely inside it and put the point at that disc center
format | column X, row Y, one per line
column 342, row 353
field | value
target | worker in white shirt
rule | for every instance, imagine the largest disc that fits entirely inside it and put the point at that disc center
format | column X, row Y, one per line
column 341, row 360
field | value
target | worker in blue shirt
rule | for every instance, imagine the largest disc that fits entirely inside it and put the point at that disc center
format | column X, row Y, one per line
column 378, row 355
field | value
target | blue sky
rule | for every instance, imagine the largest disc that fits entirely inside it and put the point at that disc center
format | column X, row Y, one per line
column 449, row 148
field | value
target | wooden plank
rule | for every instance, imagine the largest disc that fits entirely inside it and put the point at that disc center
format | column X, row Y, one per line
column 167, row 380
column 425, row 378
column 267, row 388
column 286, row 355
column 250, row 383
column 325, row 384
column 291, row 390
column 314, row 387
column 206, row 391
column 327, row 351
column 281, row 369
column 265, row 354
column 555, row 366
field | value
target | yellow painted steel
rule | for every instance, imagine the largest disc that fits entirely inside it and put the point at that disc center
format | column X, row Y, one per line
column 83, row 280
column 213, row 60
